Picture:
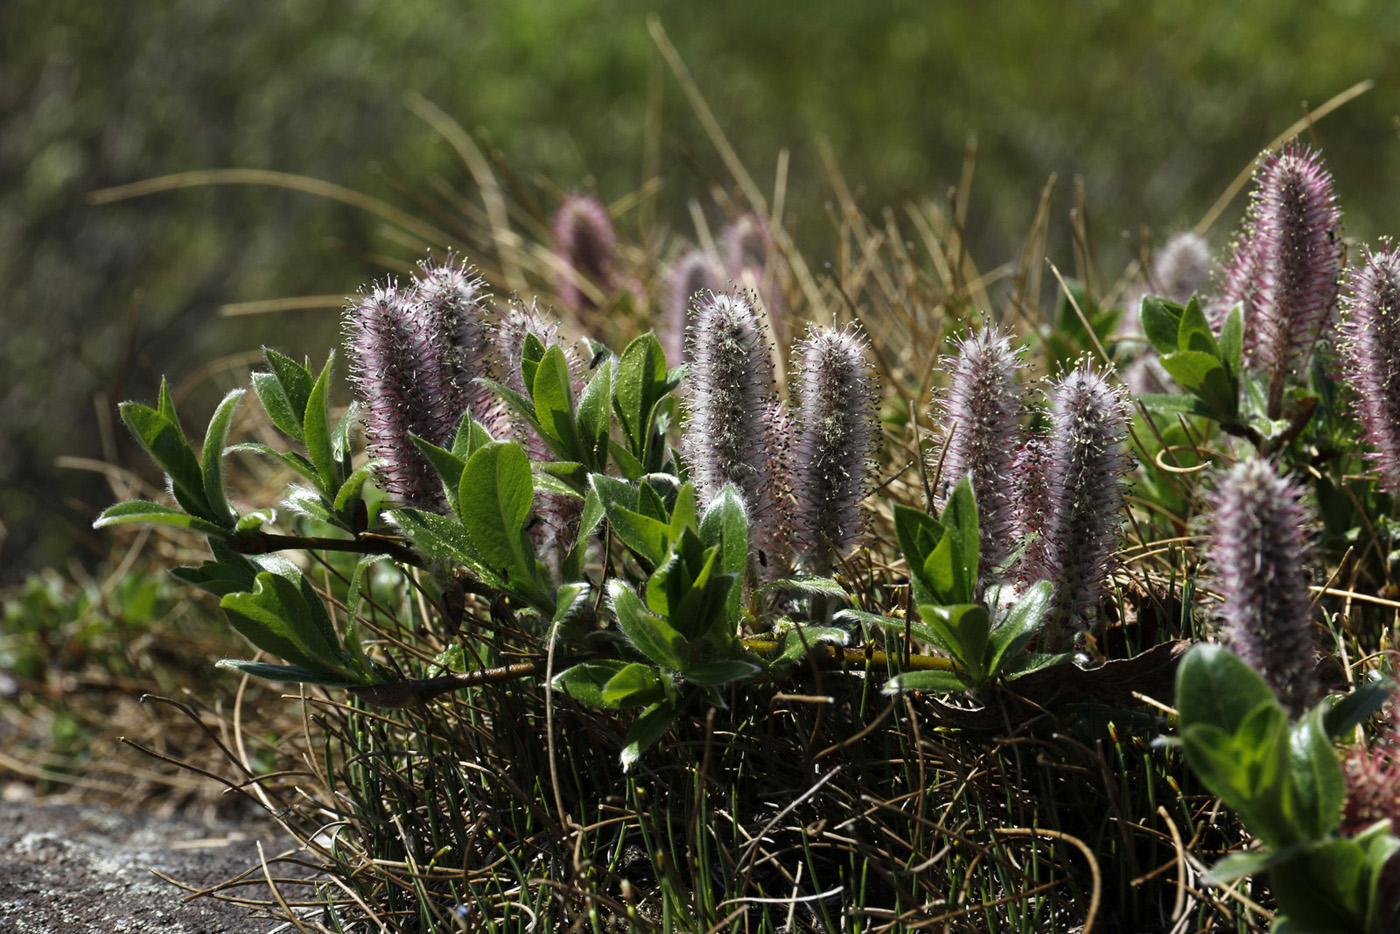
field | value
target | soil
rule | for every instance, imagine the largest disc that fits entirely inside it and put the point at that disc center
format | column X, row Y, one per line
column 77, row 867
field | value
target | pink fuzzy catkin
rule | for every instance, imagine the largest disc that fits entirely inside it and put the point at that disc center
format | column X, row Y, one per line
column 693, row 274
column 981, row 411
column 451, row 295
column 731, row 414
column 1370, row 351
column 584, row 245
column 399, row 379
column 1084, row 464
column 1258, row 552
column 836, row 436
column 1285, row 267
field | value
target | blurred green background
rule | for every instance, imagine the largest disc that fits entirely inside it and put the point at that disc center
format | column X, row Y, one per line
column 1157, row 105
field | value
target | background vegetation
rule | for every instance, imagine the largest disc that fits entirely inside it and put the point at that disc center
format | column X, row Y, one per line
column 1154, row 104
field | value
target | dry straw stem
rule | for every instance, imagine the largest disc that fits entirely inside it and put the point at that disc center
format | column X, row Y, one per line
column 731, row 160
column 266, row 177
column 1298, row 126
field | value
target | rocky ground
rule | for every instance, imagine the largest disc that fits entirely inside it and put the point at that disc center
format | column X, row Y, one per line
column 79, row 868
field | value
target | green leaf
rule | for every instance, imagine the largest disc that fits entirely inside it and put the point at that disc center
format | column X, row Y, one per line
column 1204, row 375
column 553, row 395
column 1249, row 769
column 798, row 641
column 1232, row 348
column 1173, row 404
column 651, row 725
column 1213, row 686
column 1194, row 331
column 449, row 468
column 649, row 538
column 443, row 539
column 584, row 682
column 342, row 447
column 717, row 673
column 165, row 404
column 275, row 404
column 595, row 419
column 252, row 522
column 685, row 512
column 1316, row 777
column 651, row 503
column 571, row 475
column 1380, row 846
column 288, row 673
column 894, row 626
column 630, row 466
column 610, row 490
column 289, row 459
column 696, row 596
column 726, row 524
column 146, row 512
column 1325, row 889
column 295, row 382
column 532, row 351
column 1016, row 629
column 963, row 631
column 520, row 403
column 354, row 594
column 312, row 504
column 350, row 491
column 641, row 382
column 164, row 440
column 469, row 437
column 1031, row 662
column 1161, row 323
column 286, row 618
column 918, row 534
column 1352, row 710
column 653, row 636
column 229, row 572
column 592, row 516
column 809, row 585
column 498, row 490
column 935, row 682
column 634, row 686
column 316, row 426
column 1249, row 863
column 960, row 519
column 212, row 454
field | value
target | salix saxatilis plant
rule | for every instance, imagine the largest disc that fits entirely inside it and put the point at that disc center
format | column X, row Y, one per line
column 1285, row 266
column 404, row 388
column 980, row 415
column 732, row 432
column 835, row 444
column 1084, row 468
column 1259, row 556
column 1370, row 348
column 584, row 244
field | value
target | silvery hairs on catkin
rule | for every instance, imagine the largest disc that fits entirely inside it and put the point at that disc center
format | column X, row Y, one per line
column 584, row 247
column 693, row 273
column 979, row 420
column 836, row 437
column 731, row 432
column 402, row 387
column 1370, row 355
column 454, row 300
column 1084, row 466
column 1286, row 264
column 1258, row 555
